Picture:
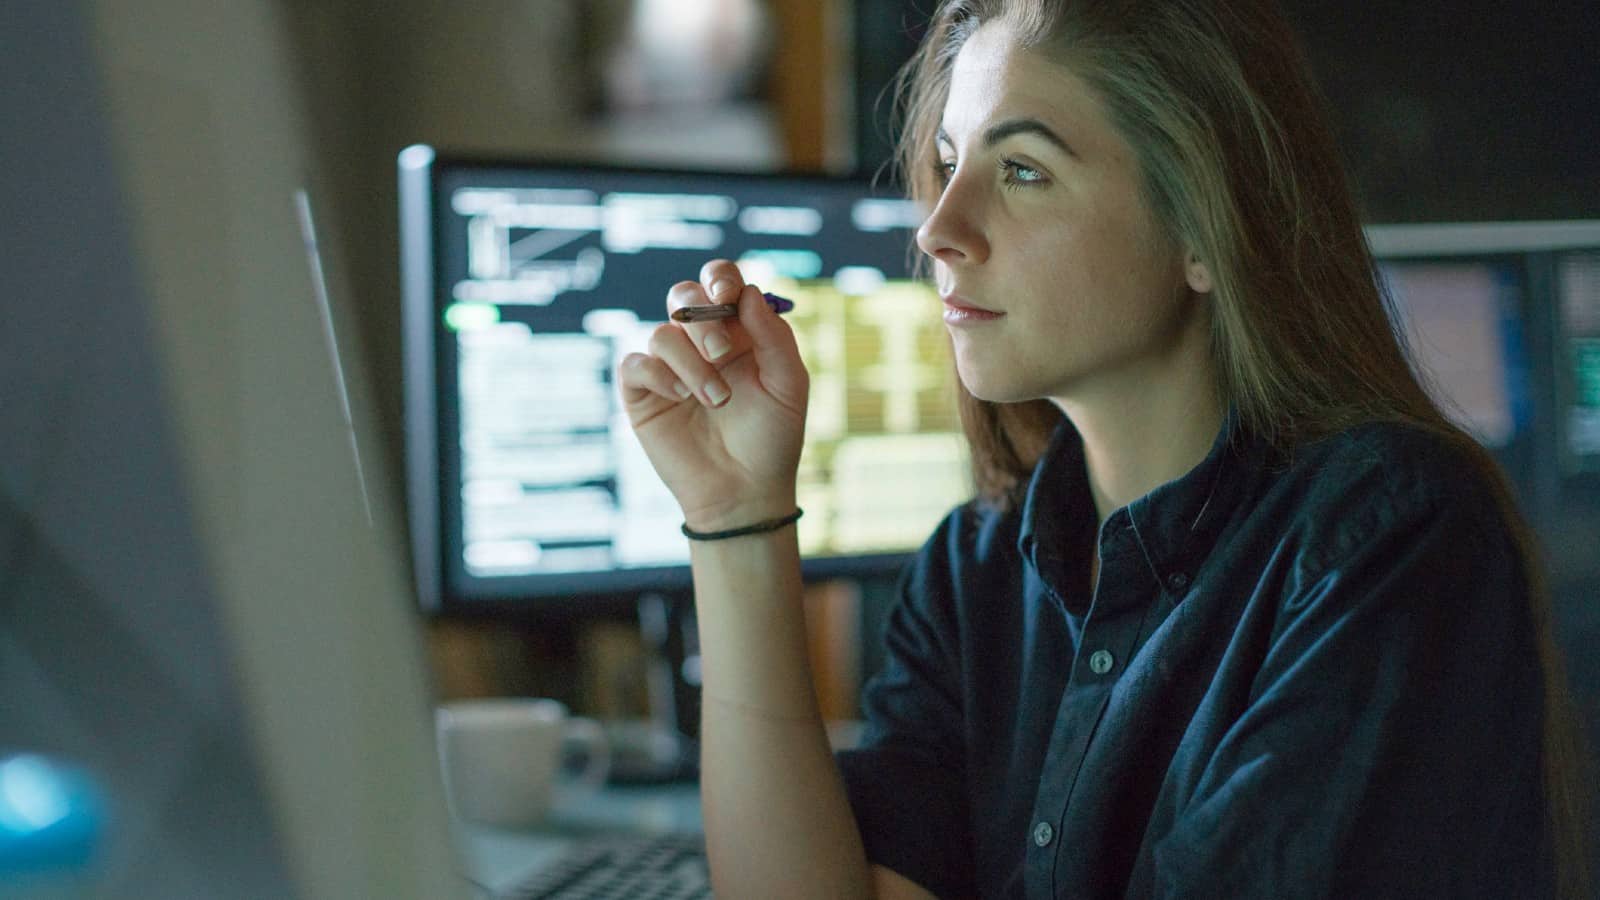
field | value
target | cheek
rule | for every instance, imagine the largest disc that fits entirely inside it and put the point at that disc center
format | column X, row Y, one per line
column 1100, row 283
column 1074, row 274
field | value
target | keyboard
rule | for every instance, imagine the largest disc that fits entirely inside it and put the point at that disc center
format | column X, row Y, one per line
column 657, row 867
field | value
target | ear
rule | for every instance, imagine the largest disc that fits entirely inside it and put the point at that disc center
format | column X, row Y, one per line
column 1197, row 275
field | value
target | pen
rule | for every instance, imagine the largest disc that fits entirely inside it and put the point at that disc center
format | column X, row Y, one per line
column 718, row 311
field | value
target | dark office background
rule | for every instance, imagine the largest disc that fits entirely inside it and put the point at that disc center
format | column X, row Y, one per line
column 1459, row 111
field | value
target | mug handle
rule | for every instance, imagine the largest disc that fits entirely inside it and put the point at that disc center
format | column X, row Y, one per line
column 592, row 735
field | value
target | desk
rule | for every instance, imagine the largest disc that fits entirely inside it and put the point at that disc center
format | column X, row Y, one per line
column 496, row 858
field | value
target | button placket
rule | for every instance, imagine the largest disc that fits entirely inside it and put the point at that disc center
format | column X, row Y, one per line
column 1122, row 601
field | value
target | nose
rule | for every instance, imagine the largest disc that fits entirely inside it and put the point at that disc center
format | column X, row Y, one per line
column 953, row 232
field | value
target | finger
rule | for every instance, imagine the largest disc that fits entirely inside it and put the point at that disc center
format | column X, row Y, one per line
column 712, row 338
column 777, row 353
column 642, row 376
column 723, row 281
column 767, row 330
column 672, row 346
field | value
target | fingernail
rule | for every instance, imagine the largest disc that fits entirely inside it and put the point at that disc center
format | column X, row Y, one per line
column 717, row 393
column 716, row 345
column 721, row 287
column 682, row 390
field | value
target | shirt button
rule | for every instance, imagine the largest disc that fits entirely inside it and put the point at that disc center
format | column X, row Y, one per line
column 1043, row 834
column 1101, row 661
column 1177, row 581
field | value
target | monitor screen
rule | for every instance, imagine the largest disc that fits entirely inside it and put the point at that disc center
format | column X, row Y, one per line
column 1463, row 320
column 525, row 287
column 1578, row 305
column 1504, row 322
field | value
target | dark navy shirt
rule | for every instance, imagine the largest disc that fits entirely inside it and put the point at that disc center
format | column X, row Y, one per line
column 1306, row 675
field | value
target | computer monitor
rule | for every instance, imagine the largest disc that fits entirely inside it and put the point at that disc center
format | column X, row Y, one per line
column 196, row 609
column 1463, row 322
column 1501, row 316
column 526, row 283
column 1576, row 276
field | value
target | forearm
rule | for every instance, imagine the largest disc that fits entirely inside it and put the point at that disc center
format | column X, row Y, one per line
column 777, row 821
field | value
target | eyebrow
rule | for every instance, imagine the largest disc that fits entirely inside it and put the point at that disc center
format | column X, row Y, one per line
column 999, row 132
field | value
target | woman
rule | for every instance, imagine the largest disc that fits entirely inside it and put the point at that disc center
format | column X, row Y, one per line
column 1236, row 612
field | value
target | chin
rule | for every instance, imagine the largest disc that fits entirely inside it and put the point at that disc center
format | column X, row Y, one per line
column 995, row 396
column 1003, row 381
column 994, row 384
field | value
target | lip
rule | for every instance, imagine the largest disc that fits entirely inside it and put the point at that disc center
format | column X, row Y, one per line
column 958, row 310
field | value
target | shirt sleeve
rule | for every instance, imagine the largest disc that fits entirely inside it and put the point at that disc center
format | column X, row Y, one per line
column 906, row 782
column 1390, row 746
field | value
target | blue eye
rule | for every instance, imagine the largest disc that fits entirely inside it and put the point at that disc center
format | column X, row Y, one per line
column 1019, row 175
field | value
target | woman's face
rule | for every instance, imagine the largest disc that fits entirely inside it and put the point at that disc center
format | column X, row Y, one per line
column 1042, row 224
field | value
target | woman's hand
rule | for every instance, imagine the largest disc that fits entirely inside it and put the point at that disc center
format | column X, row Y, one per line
column 720, row 407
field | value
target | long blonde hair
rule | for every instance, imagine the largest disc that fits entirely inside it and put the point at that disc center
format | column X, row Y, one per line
column 1240, row 166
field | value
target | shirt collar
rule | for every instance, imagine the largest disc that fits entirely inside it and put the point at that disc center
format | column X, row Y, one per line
column 1175, row 525
column 1058, row 516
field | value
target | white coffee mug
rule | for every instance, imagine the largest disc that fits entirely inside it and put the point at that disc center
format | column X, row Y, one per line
column 501, row 758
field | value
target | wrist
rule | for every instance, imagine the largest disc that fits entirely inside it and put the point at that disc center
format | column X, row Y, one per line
column 761, row 527
column 740, row 515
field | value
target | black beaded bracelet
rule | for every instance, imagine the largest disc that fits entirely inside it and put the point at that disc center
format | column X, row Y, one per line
column 757, row 528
